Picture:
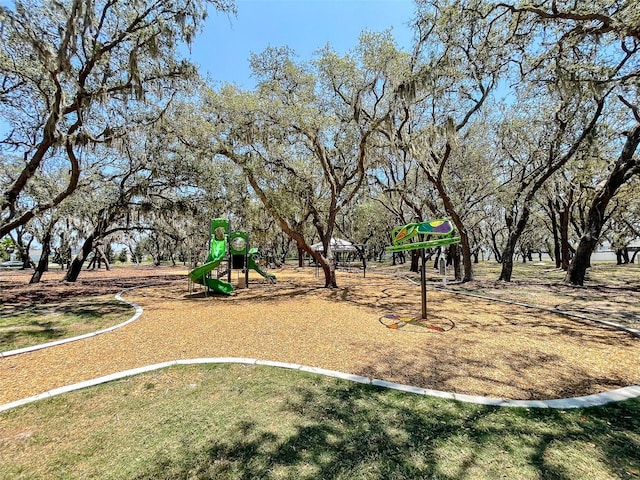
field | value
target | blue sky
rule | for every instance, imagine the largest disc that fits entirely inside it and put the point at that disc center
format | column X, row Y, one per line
column 222, row 51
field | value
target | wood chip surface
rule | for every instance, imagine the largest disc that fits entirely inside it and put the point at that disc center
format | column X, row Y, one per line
column 480, row 347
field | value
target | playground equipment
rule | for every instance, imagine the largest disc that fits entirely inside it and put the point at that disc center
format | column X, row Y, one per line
column 411, row 237
column 232, row 248
column 402, row 236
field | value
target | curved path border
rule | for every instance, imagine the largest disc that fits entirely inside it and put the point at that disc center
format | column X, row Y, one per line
column 118, row 296
column 597, row 399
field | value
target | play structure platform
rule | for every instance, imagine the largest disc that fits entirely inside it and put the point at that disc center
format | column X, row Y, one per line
column 234, row 249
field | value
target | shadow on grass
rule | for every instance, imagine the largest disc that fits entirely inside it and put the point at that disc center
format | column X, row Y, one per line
column 52, row 291
column 361, row 432
column 39, row 332
column 34, row 324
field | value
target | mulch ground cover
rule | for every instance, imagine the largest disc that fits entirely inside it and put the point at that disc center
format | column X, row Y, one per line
column 15, row 289
column 466, row 345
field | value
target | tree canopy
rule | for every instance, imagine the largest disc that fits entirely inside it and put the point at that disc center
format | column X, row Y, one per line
column 519, row 122
column 70, row 73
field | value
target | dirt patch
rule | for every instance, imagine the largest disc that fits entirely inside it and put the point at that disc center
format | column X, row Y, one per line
column 490, row 349
column 17, row 291
column 605, row 302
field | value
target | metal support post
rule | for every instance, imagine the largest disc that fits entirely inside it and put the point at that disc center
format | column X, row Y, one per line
column 423, row 284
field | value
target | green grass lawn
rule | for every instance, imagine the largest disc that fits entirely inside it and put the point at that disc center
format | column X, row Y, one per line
column 600, row 273
column 251, row 422
column 27, row 325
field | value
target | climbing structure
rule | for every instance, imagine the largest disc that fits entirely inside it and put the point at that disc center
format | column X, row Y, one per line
column 232, row 247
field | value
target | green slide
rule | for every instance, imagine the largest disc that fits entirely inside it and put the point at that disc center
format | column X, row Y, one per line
column 217, row 253
column 253, row 254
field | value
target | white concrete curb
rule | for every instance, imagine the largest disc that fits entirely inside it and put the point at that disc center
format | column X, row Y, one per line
column 563, row 403
column 597, row 399
column 118, row 296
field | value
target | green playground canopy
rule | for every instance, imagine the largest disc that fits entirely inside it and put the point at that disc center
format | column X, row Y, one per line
column 404, row 237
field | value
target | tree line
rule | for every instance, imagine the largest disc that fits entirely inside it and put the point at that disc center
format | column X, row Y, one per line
column 520, row 123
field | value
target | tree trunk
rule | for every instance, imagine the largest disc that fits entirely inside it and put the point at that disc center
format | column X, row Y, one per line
column 494, row 247
column 330, row 261
column 507, row 262
column 43, row 263
column 329, row 271
column 76, row 265
column 134, row 257
column 435, row 262
column 454, row 253
column 92, row 262
column 415, row 257
column 23, row 250
column 328, row 265
column 105, row 258
column 467, row 260
column 467, row 257
column 582, row 259
column 283, row 249
column 626, row 167
column 564, row 238
column 25, row 257
column 510, row 247
column 557, row 255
